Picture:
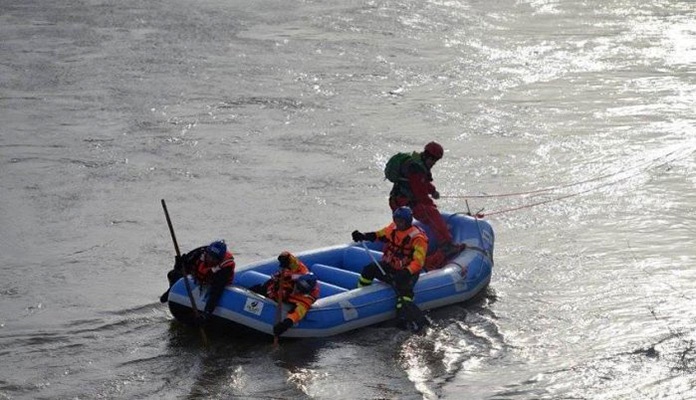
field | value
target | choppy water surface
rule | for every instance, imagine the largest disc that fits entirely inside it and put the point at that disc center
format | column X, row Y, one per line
column 570, row 123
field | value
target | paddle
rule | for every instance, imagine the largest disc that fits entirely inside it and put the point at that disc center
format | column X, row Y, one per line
column 411, row 310
column 186, row 281
column 374, row 260
column 279, row 309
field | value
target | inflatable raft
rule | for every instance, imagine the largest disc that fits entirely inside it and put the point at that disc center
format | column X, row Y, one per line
column 342, row 306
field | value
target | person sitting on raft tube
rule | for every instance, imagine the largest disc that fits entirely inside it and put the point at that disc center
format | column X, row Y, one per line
column 402, row 260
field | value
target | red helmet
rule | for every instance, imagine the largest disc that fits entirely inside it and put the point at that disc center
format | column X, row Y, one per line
column 434, row 150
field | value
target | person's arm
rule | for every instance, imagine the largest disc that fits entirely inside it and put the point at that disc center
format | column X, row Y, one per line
column 359, row 236
column 382, row 234
column 217, row 287
column 188, row 260
column 420, row 248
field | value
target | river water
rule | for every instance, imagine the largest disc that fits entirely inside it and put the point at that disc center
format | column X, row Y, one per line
column 570, row 123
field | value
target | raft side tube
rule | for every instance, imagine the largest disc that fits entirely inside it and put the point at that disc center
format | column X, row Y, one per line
column 336, row 276
column 356, row 258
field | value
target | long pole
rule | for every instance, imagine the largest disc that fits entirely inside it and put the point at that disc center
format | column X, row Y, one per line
column 279, row 308
column 186, row 281
column 374, row 260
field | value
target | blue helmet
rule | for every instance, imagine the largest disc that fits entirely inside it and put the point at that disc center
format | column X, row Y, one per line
column 306, row 283
column 404, row 213
column 217, row 249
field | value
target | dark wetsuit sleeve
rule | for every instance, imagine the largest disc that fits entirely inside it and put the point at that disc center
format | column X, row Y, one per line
column 217, row 286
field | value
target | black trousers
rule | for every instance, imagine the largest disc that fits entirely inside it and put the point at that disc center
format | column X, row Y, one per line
column 403, row 287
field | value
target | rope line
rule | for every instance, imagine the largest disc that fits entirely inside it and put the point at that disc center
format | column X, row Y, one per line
column 530, row 205
column 613, row 182
column 639, row 167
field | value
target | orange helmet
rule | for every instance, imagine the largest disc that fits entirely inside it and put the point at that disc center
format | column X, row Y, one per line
column 434, row 150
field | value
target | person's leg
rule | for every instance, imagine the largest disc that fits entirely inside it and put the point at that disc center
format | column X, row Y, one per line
column 172, row 276
column 435, row 260
column 369, row 273
column 302, row 304
column 262, row 288
column 429, row 215
column 408, row 314
column 404, row 288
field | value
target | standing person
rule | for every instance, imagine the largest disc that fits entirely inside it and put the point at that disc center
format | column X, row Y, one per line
column 296, row 285
column 402, row 260
column 210, row 265
column 413, row 187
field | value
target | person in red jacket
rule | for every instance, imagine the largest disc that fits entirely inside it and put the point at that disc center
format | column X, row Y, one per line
column 212, row 265
column 293, row 283
column 416, row 190
column 402, row 260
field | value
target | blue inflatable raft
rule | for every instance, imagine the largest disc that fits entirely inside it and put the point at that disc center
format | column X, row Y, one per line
column 342, row 306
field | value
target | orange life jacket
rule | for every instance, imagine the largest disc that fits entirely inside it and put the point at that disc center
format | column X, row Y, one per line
column 404, row 249
column 287, row 278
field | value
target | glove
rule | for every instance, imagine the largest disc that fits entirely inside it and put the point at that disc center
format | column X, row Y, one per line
column 284, row 259
column 281, row 327
column 402, row 276
column 435, row 195
column 358, row 236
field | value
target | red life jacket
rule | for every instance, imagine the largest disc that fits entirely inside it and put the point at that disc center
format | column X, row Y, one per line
column 204, row 273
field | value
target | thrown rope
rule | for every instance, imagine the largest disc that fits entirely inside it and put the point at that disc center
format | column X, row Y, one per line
column 640, row 168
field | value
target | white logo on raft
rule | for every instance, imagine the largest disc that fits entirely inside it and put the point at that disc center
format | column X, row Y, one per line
column 349, row 312
column 253, row 306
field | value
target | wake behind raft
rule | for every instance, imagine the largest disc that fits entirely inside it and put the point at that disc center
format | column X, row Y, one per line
column 342, row 305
